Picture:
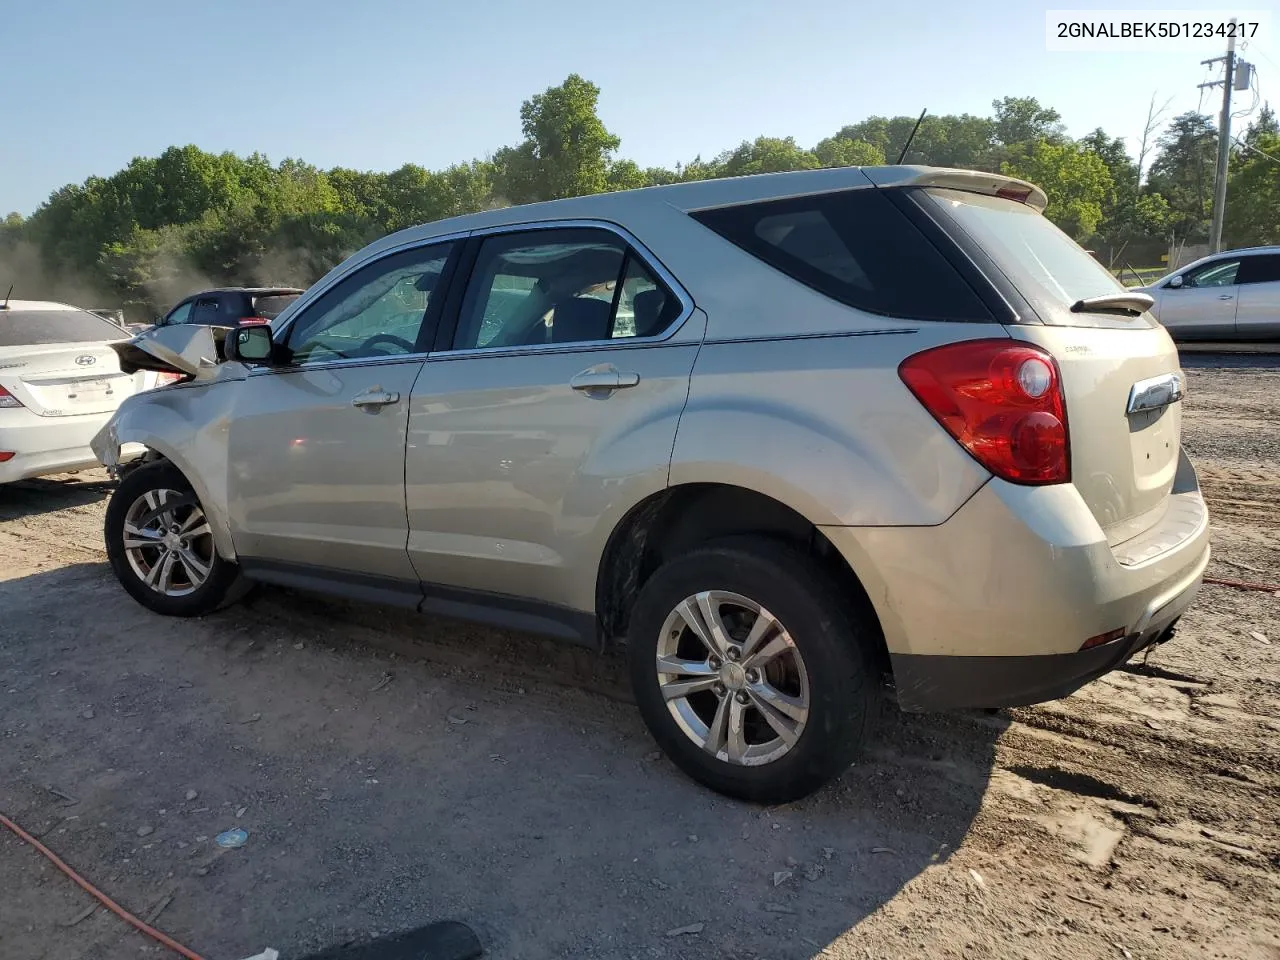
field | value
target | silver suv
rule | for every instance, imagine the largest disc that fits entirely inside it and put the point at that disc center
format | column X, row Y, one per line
column 784, row 436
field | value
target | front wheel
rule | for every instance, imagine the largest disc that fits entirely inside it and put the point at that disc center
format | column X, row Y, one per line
column 161, row 546
column 750, row 670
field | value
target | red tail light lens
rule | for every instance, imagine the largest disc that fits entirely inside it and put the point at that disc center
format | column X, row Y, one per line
column 6, row 456
column 1010, row 192
column 7, row 399
column 1002, row 402
column 166, row 377
column 250, row 321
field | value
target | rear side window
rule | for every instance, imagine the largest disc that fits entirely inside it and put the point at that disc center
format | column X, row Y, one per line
column 1264, row 268
column 205, row 312
column 20, row 328
column 271, row 306
column 855, row 246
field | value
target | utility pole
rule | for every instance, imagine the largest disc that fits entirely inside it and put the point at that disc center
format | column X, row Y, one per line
column 1224, row 139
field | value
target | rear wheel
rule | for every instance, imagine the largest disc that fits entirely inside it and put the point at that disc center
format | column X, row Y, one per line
column 161, row 546
column 750, row 670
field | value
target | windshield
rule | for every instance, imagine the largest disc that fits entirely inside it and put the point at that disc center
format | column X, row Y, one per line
column 1048, row 268
column 19, row 328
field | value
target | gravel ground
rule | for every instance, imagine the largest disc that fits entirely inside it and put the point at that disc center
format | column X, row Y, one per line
column 392, row 770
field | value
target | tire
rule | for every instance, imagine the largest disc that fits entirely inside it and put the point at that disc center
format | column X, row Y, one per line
column 834, row 679
column 149, row 499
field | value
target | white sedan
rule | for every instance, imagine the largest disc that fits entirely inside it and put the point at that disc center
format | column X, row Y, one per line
column 60, row 381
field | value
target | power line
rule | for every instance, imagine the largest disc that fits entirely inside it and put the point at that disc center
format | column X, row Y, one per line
column 1250, row 147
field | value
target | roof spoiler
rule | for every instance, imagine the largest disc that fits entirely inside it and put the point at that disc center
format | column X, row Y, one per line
column 993, row 184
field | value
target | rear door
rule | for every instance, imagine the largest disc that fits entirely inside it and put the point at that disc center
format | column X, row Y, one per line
column 1120, row 372
column 1204, row 307
column 552, row 408
column 1258, row 312
column 58, row 363
column 206, row 311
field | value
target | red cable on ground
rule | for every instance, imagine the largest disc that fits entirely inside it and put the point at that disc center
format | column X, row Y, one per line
column 1243, row 584
column 98, row 895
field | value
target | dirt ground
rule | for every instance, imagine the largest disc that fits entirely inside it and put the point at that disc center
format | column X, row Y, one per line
column 392, row 770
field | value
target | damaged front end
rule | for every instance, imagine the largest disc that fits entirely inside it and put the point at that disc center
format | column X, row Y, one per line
column 194, row 352
column 184, row 422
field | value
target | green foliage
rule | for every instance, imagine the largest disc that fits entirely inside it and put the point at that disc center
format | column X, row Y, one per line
column 1253, row 191
column 843, row 152
column 165, row 226
column 765, row 155
column 1021, row 120
column 1074, row 178
column 566, row 148
column 1183, row 173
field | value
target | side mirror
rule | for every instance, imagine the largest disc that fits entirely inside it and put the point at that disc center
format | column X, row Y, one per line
column 251, row 344
column 1175, row 283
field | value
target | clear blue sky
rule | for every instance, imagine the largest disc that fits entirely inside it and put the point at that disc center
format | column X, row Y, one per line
column 377, row 83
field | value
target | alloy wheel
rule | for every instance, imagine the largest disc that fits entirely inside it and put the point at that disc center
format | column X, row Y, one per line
column 733, row 678
column 168, row 542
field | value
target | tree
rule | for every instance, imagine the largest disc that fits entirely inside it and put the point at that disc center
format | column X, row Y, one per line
column 1154, row 117
column 1021, row 120
column 765, row 155
column 163, row 227
column 566, row 150
column 843, row 152
column 1183, row 173
column 945, row 141
column 626, row 175
column 1074, row 179
column 1253, row 188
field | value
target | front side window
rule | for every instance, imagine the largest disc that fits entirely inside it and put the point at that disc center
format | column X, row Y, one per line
column 180, row 314
column 573, row 285
column 1220, row 273
column 378, row 311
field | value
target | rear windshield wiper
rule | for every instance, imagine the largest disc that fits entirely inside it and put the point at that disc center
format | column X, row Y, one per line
column 1131, row 304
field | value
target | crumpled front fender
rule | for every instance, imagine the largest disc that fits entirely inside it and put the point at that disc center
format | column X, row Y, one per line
column 187, row 425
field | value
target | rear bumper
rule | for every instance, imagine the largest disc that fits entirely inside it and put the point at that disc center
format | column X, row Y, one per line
column 45, row 445
column 992, row 607
column 951, row 683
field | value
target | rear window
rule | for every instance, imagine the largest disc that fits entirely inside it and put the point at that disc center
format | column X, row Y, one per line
column 856, row 247
column 21, row 328
column 271, row 306
column 1048, row 268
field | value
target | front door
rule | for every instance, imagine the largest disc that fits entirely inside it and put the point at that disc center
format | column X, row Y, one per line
column 316, row 445
column 553, row 408
column 1204, row 307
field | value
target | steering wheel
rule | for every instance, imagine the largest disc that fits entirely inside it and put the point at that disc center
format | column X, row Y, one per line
column 377, row 338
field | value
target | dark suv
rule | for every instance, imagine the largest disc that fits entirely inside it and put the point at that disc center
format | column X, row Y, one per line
column 231, row 306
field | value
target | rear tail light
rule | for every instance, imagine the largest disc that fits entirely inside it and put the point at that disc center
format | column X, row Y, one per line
column 7, row 399
column 1011, row 192
column 6, row 455
column 250, row 321
column 167, row 377
column 1001, row 401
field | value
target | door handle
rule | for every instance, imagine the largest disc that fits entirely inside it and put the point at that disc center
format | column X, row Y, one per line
column 608, row 378
column 1226, row 296
column 372, row 399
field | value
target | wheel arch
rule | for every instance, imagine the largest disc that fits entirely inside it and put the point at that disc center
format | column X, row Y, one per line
column 129, row 427
column 679, row 518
